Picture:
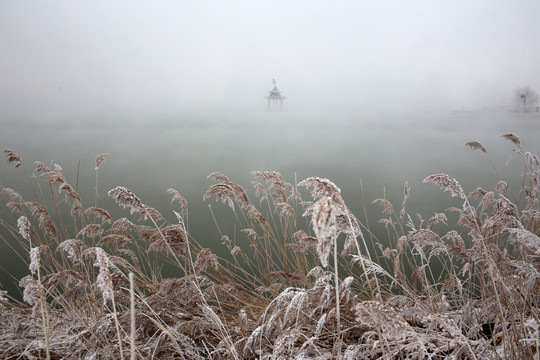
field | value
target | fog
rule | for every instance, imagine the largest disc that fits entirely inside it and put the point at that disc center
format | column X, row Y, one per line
column 103, row 60
column 377, row 93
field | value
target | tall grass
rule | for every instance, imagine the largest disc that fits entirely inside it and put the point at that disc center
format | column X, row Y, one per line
column 308, row 280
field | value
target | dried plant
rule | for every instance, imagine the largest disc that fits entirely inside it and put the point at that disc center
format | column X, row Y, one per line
column 176, row 196
column 98, row 212
column 324, row 225
column 24, row 228
column 475, row 145
column 12, row 157
column 126, row 199
column 72, row 248
column 513, row 138
column 447, row 183
column 100, row 159
column 462, row 284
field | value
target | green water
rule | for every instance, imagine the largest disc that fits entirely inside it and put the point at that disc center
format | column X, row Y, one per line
column 149, row 156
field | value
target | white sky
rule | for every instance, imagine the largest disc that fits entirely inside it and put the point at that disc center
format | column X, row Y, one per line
column 88, row 58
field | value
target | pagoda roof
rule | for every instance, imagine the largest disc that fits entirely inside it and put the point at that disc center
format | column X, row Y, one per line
column 275, row 94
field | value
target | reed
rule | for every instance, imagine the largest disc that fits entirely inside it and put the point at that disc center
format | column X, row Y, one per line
column 302, row 282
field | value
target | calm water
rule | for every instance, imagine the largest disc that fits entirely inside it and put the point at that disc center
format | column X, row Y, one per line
column 383, row 152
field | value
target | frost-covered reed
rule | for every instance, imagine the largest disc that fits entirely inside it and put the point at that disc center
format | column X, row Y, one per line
column 301, row 281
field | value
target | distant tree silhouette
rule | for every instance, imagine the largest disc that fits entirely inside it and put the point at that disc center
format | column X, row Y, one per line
column 527, row 98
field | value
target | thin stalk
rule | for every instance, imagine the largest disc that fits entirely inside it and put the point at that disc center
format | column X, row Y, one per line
column 44, row 315
column 117, row 325
column 336, row 286
column 132, row 301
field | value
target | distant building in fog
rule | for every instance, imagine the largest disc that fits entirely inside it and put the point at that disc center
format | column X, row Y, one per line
column 274, row 98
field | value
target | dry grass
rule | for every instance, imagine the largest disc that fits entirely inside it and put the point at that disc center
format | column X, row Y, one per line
column 304, row 284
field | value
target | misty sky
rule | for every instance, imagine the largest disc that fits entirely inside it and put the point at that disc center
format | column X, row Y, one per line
column 64, row 59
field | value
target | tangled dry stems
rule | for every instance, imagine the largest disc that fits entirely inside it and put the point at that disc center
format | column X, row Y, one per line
column 468, row 293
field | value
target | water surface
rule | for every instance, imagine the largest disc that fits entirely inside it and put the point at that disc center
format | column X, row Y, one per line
column 148, row 156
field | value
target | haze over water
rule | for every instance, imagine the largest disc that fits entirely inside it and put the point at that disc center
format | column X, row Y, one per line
column 377, row 94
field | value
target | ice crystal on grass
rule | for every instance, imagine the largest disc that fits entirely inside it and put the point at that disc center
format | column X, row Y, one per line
column 475, row 145
column 478, row 193
column 423, row 238
column 223, row 193
column 15, row 207
column 172, row 237
column 354, row 352
column 115, row 240
column 319, row 274
column 11, row 194
column 253, row 342
column 12, row 157
column 176, row 196
column 388, row 320
column 447, row 183
column 506, row 216
column 104, row 280
column 124, row 224
column 294, row 308
column 525, row 239
column 250, row 232
column 388, row 209
column 127, row 199
column 103, row 214
column 236, row 250
column 345, row 290
column 44, row 220
column 243, row 319
column 72, row 248
column 501, row 187
column 272, row 176
column 435, row 219
column 324, row 225
column 260, row 190
column 513, row 138
column 32, row 290
column 24, row 227
column 286, row 209
column 370, row 266
column 91, row 231
column 256, row 215
column 350, row 245
column 100, row 159
column 3, row 293
column 55, row 176
column 35, row 258
column 228, row 192
column 284, row 343
column 205, row 258
column 323, row 188
column 41, row 167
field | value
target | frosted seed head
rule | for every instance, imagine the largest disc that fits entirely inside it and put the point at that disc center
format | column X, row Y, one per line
column 447, row 183
column 475, row 145
column 34, row 260
column 127, row 199
column 24, row 227
column 324, row 225
column 513, row 138
column 100, row 159
column 12, row 157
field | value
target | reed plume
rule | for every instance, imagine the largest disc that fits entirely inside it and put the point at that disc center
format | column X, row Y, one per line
column 461, row 283
column 12, row 157
column 475, row 145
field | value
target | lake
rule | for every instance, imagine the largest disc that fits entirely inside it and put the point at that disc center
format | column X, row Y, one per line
column 148, row 156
